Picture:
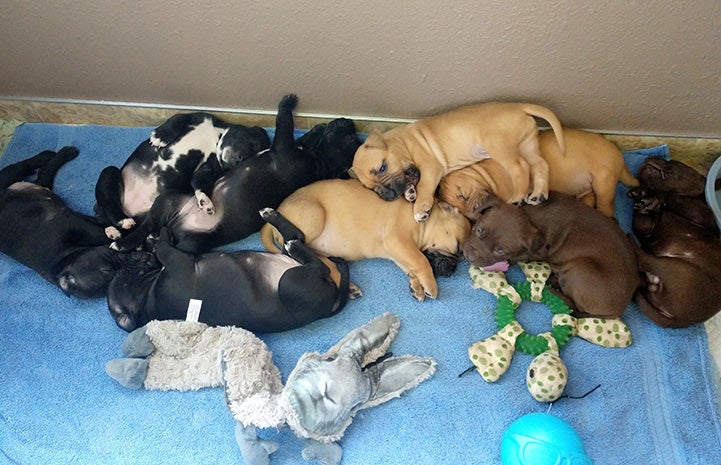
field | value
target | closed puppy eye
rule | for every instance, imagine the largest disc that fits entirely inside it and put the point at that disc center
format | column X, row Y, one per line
column 484, row 210
column 499, row 252
column 481, row 232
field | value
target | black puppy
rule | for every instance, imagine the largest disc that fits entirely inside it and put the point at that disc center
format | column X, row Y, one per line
column 259, row 291
column 187, row 153
column 38, row 230
column 263, row 181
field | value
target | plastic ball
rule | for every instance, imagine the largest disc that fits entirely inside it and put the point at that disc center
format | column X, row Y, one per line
column 542, row 439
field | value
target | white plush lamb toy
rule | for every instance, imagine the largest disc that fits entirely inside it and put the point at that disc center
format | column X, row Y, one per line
column 318, row 402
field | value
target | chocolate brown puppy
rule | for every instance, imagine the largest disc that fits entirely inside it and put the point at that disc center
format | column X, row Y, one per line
column 341, row 218
column 589, row 170
column 411, row 160
column 680, row 254
column 593, row 260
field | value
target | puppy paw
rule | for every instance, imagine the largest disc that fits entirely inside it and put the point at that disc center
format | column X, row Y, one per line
column 637, row 193
column 111, row 232
column 126, row 223
column 410, row 194
column 536, row 198
column 156, row 141
column 355, row 292
column 517, row 201
column 653, row 282
column 204, row 203
column 431, row 290
column 418, row 294
column 290, row 245
column 266, row 213
column 648, row 204
column 419, row 291
column 421, row 212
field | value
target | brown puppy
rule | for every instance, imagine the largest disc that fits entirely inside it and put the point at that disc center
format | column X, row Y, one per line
column 680, row 260
column 588, row 252
column 412, row 159
column 341, row 218
column 589, row 170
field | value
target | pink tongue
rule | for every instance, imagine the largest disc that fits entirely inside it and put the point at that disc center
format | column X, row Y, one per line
column 499, row 266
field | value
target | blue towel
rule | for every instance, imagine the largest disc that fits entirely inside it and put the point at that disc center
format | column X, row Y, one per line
column 656, row 403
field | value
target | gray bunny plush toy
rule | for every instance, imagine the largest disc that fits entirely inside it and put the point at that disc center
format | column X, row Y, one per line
column 319, row 400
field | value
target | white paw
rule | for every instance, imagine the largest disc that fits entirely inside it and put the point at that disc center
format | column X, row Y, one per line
column 410, row 193
column 155, row 141
column 111, row 232
column 420, row 216
column 127, row 223
column 355, row 292
column 265, row 213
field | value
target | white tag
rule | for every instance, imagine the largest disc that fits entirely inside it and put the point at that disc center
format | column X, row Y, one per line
column 193, row 310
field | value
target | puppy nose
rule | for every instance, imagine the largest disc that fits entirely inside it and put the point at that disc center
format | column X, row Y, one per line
column 468, row 253
column 387, row 194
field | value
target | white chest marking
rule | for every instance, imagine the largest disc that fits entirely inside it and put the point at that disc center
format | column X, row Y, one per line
column 203, row 137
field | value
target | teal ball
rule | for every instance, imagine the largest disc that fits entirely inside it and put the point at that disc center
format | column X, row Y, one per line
column 542, row 439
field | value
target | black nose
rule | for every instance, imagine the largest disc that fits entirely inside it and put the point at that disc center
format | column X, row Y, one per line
column 387, row 193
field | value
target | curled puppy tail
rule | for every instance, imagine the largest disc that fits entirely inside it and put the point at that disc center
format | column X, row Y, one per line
column 543, row 112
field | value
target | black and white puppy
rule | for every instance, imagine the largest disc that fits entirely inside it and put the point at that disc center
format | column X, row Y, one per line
column 259, row 291
column 326, row 151
column 187, row 153
column 39, row 230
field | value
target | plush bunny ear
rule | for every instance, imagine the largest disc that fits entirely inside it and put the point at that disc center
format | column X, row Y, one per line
column 369, row 342
column 395, row 375
column 325, row 391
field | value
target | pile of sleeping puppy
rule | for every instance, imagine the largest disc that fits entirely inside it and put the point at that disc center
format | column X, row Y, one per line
column 480, row 182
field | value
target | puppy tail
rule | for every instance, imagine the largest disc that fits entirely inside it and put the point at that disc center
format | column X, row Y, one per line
column 343, row 286
column 627, row 178
column 544, row 113
column 268, row 238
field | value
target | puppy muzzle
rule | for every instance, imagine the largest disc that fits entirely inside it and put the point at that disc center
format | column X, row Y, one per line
column 392, row 188
column 388, row 193
column 442, row 264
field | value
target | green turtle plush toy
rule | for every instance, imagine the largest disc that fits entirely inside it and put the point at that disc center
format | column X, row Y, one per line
column 547, row 375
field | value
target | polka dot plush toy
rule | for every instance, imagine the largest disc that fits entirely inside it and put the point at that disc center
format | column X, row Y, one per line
column 547, row 375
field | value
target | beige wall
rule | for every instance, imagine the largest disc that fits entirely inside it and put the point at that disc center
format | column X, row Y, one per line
column 644, row 67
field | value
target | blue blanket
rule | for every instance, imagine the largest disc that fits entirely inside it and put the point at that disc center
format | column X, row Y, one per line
column 656, row 403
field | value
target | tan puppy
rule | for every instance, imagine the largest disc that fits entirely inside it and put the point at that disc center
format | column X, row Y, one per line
column 341, row 218
column 416, row 156
column 590, row 170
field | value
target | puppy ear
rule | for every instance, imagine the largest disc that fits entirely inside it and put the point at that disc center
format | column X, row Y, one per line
column 375, row 140
column 535, row 242
column 485, row 204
